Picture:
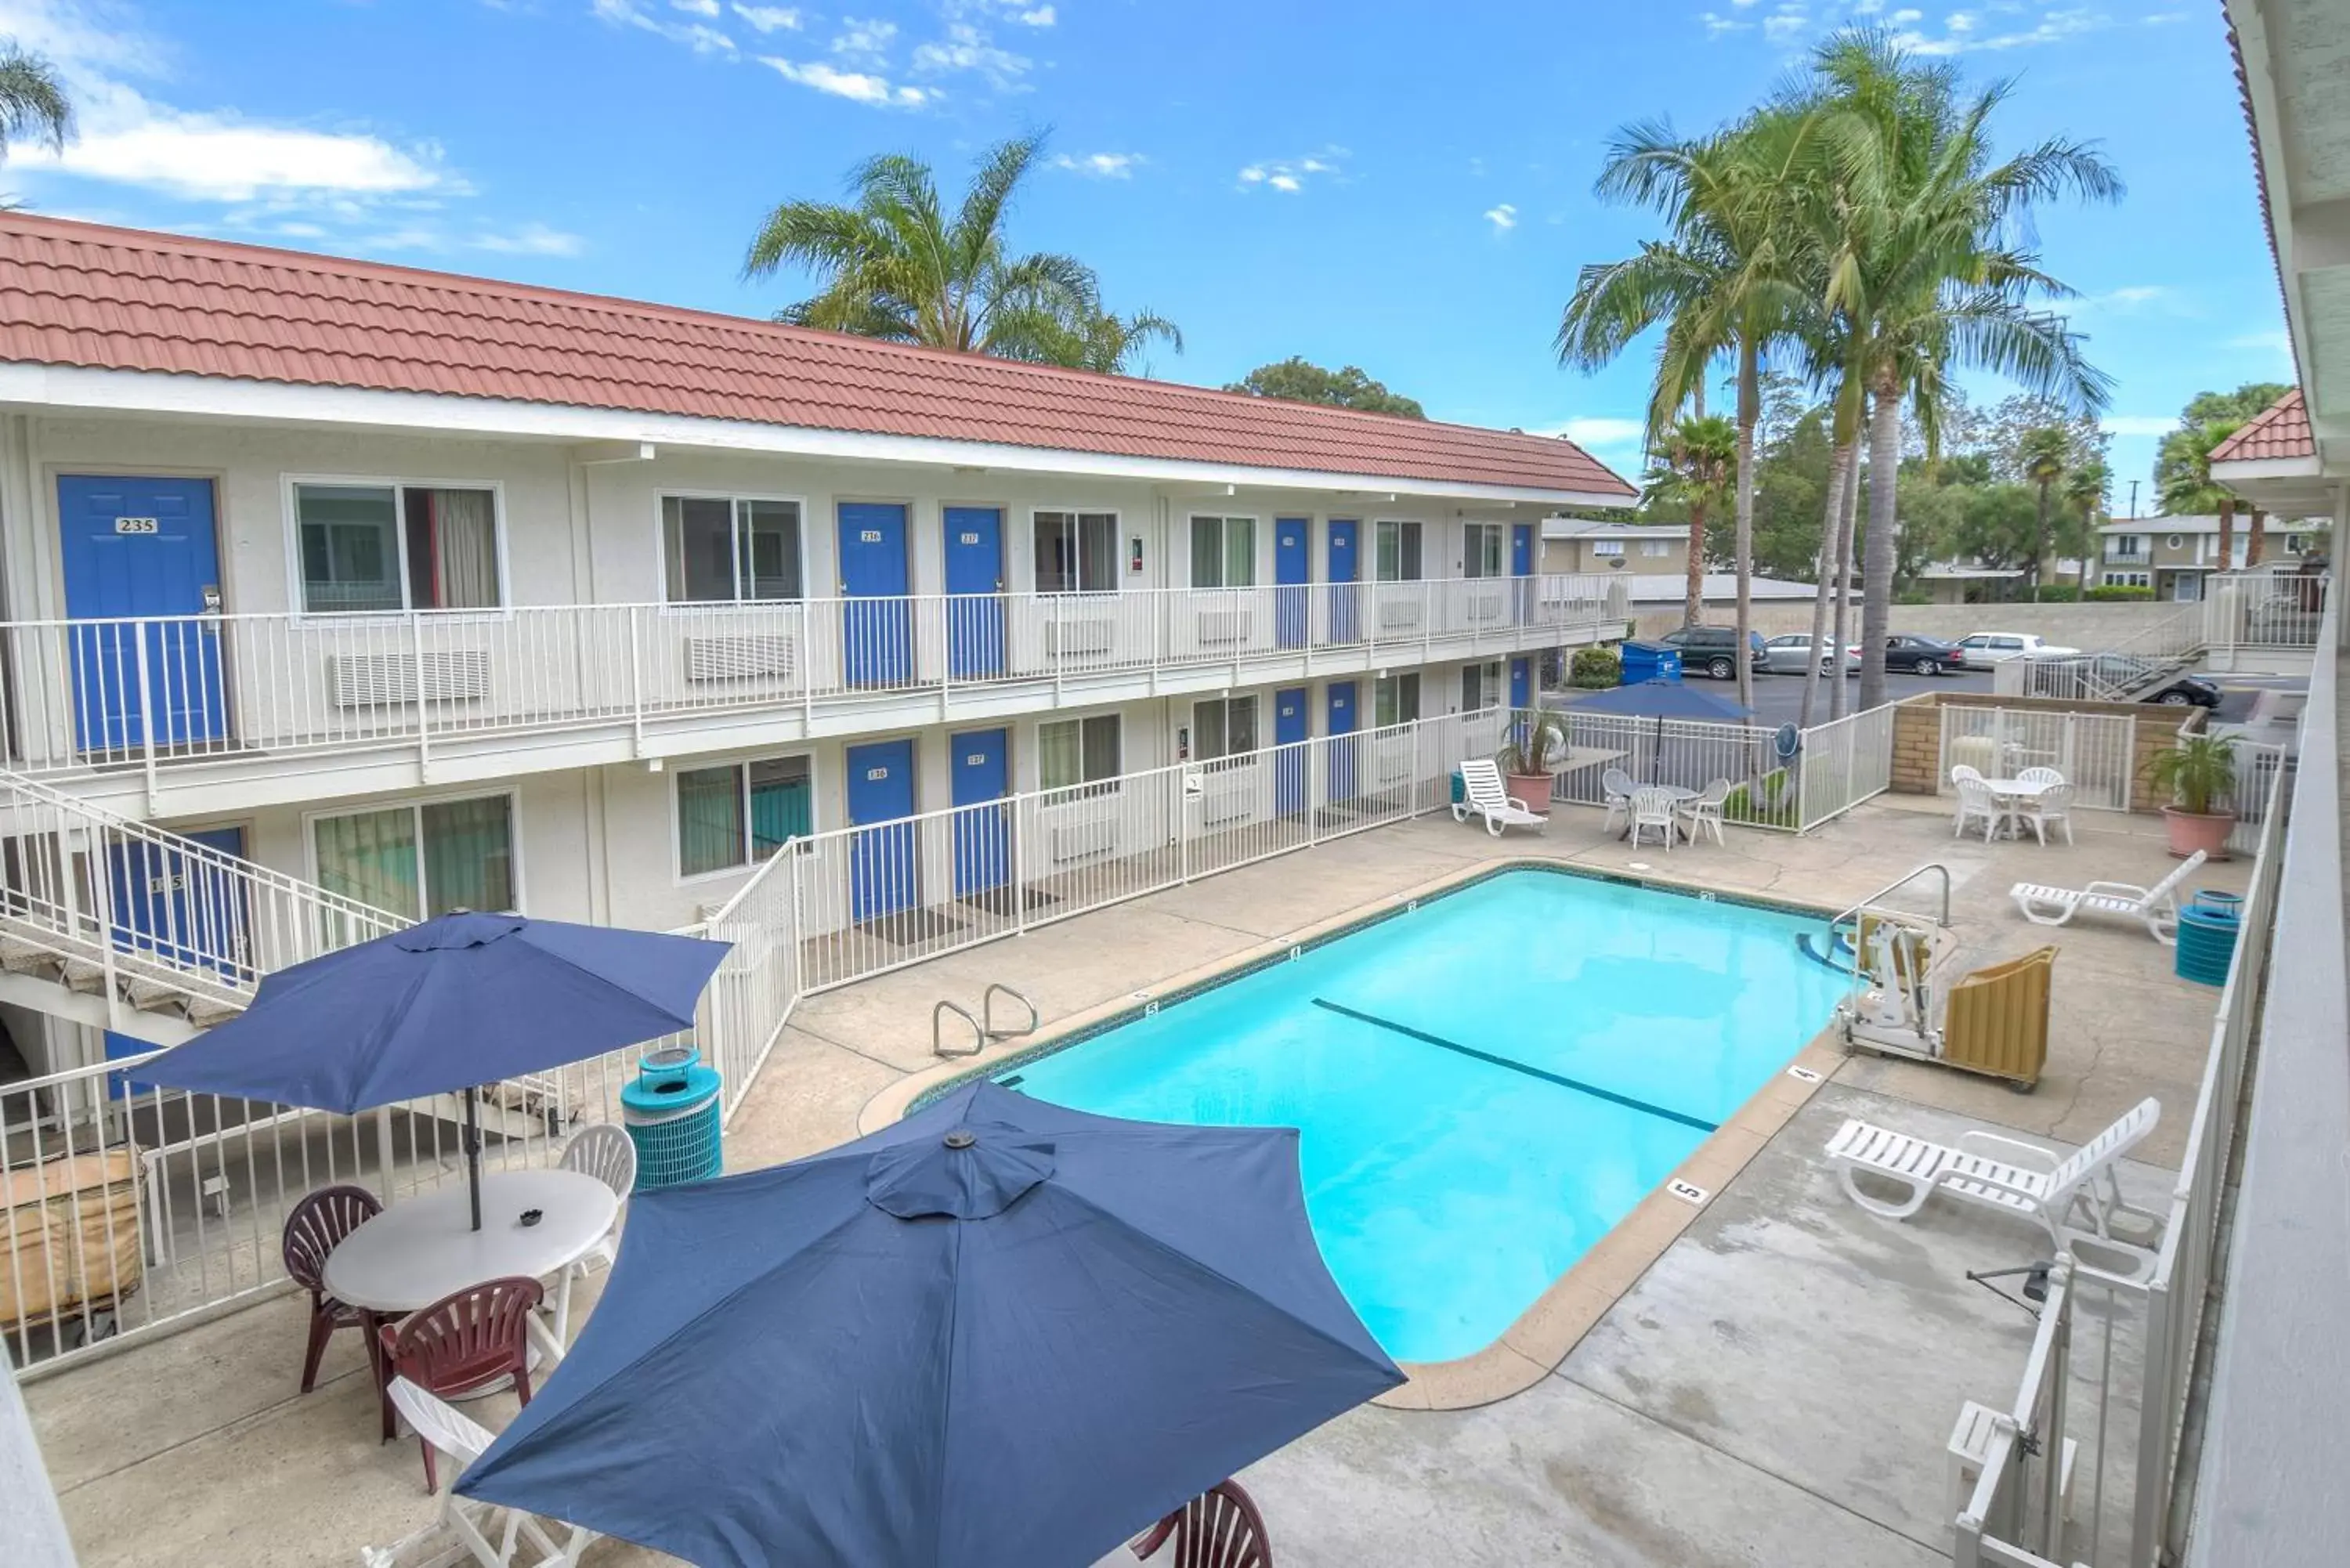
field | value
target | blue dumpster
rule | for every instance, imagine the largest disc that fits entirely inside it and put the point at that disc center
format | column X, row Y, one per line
column 1651, row 661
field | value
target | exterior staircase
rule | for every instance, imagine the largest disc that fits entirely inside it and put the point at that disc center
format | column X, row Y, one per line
column 2125, row 672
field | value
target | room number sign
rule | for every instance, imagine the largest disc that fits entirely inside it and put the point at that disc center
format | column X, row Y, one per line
column 134, row 525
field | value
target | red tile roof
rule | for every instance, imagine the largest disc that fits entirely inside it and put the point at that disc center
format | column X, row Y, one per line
column 124, row 299
column 2280, row 430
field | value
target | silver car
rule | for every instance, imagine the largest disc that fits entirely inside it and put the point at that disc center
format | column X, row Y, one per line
column 1792, row 655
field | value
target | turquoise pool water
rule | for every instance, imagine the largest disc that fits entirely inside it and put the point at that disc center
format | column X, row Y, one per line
column 1484, row 1085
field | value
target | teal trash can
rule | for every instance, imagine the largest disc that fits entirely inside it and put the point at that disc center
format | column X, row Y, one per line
column 670, row 1111
column 2207, row 939
column 1459, row 789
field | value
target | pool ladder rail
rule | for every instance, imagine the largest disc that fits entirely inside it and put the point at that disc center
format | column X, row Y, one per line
column 983, row 1032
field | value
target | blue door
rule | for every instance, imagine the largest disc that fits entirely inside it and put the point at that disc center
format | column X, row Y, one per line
column 881, row 855
column 179, row 910
column 976, row 581
column 1291, row 567
column 1289, row 726
column 1521, row 684
column 1345, row 573
column 1522, row 567
column 982, row 831
column 878, row 638
column 1342, row 752
column 142, row 547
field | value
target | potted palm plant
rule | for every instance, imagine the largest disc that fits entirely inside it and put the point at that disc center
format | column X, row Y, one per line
column 1535, row 738
column 2199, row 776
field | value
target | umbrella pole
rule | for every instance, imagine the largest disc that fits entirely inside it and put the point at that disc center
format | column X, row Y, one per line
column 473, row 1151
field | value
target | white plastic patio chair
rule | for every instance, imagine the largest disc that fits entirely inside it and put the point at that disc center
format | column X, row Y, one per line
column 2157, row 907
column 1706, row 811
column 1978, row 804
column 1480, row 782
column 522, row 1539
column 2052, row 807
column 2075, row 1197
column 1652, row 809
column 609, row 1155
column 2042, row 775
column 1616, row 788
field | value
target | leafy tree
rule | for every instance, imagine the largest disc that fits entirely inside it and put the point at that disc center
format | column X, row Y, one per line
column 1299, row 380
column 33, row 103
column 892, row 263
column 1694, row 466
column 2182, row 478
column 2043, row 453
column 2244, row 405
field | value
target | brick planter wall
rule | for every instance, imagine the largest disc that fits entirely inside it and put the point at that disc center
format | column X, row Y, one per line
column 1917, row 735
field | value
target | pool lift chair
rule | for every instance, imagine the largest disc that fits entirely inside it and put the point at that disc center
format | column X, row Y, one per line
column 1903, row 1002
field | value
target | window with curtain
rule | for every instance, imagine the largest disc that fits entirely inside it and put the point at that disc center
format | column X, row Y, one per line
column 372, row 549
column 1396, row 552
column 1076, row 552
column 421, row 860
column 1480, row 686
column 1224, row 727
column 1395, row 700
column 718, row 549
column 1481, row 550
column 1073, row 751
column 1224, row 552
column 1656, row 548
column 740, row 813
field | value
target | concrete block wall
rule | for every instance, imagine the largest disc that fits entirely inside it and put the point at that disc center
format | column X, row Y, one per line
column 1917, row 735
column 2089, row 628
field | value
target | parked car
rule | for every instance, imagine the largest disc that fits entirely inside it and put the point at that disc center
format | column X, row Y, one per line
column 1998, row 647
column 1920, row 655
column 1791, row 655
column 2187, row 692
column 1712, row 651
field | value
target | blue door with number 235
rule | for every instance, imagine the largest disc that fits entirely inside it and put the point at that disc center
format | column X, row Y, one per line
column 137, row 547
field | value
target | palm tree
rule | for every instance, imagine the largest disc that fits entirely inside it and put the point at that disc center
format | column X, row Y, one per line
column 1693, row 466
column 2044, row 453
column 1724, row 282
column 893, row 265
column 32, row 101
column 1920, row 267
column 2182, row 477
column 2084, row 489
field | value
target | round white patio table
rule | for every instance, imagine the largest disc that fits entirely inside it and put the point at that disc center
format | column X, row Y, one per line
column 2016, row 792
column 423, row 1248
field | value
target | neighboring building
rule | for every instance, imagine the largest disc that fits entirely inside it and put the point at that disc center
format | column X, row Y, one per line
column 1719, row 591
column 1956, row 583
column 2172, row 555
column 673, row 587
column 1571, row 544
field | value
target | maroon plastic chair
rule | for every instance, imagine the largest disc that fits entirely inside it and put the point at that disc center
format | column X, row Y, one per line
column 317, row 1223
column 1220, row 1528
column 464, row 1341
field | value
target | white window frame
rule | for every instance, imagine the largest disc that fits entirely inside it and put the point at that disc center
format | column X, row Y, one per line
column 1398, row 525
column 416, row 803
column 1084, row 788
column 1257, row 718
column 1608, row 547
column 679, row 874
column 1473, row 536
column 1223, row 520
column 707, row 606
column 2296, row 544
column 1117, row 540
column 2176, row 541
column 289, row 485
column 1656, row 549
column 1497, row 670
column 1395, row 681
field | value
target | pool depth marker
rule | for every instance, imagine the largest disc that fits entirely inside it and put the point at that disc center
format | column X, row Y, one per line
column 1564, row 1082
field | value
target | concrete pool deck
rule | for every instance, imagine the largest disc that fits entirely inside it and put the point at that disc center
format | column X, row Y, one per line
column 1776, row 1386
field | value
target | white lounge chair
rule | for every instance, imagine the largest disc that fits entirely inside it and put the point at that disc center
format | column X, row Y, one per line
column 1481, row 781
column 2156, row 907
column 2074, row 1196
column 523, row 1541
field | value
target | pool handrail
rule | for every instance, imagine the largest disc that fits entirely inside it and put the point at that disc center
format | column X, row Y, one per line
column 938, row 1024
column 987, row 1011
column 1943, row 919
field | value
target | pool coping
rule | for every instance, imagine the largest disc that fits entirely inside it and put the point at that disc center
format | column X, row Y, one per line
column 1554, row 1324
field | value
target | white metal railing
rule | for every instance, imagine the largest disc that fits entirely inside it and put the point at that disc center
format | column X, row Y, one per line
column 2095, row 752
column 2114, row 673
column 182, row 691
column 1843, row 763
column 2264, row 609
column 878, row 897
column 1832, row 767
column 751, row 997
column 2122, row 1411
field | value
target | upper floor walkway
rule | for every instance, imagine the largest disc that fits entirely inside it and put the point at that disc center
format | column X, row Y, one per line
column 181, row 715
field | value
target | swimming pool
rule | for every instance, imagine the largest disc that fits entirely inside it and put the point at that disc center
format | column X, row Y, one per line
column 1484, row 1085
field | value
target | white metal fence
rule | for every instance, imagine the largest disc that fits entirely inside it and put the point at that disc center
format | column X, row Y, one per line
column 2122, row 1411
column 2264, row 609
column 1843, row 762
column 171, row 692
column 1786, row 779
column 2095, row 752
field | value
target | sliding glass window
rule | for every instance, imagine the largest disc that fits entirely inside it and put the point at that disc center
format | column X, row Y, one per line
column 1396, row 552
column 1076, row 552
column 421, row 860
column 740, row 813
column 720, row 549
column 371, row 548
column 1224, row 552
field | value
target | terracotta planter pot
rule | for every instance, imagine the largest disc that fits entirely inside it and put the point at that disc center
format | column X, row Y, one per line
column 2194, row 830
column 1529, row 790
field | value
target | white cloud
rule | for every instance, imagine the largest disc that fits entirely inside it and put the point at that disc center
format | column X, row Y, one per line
column 2138, row 424
column 1903, row 18
column 531, row 240
column 967, row 48
column 1715, row 26
column 857, row 86
column 2278, row 342
column 770, row 19
column 1290, row 175
column 1961, row 35
column 865, row 39
column 699, row 37
column 696, row 7
column 1503, row 216
column 1041, row 16
column 1102, row 165
column 1785, row 24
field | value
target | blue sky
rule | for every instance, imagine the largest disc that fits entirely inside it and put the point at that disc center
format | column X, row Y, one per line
column 1406, row 188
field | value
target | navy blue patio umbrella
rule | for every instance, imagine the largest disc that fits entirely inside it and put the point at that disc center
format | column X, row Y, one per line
column 998, row 1335
column 1662, row 700
column 457, row 1002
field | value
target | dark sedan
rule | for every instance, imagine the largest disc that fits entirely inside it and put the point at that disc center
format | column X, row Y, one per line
column 1920, row 655
column 2187, row 692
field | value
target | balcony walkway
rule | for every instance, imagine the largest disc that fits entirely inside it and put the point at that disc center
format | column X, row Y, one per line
column 1777, row 1387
